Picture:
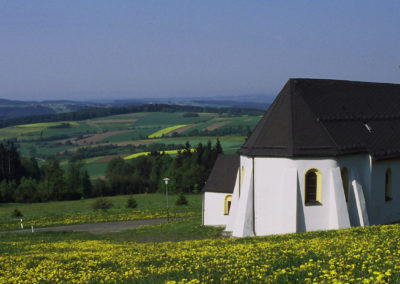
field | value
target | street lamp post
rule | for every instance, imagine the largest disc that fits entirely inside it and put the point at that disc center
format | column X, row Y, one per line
column 166, row 192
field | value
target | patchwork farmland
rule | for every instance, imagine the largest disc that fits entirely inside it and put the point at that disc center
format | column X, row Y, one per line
column 128, row 135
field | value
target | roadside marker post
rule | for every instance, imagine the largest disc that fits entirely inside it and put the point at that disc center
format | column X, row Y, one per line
column 166, row 192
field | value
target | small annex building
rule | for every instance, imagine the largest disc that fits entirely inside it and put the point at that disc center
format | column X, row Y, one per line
column 218, row 190
column 325, row 155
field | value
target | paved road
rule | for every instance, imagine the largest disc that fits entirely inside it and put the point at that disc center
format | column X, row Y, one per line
column 97, row 227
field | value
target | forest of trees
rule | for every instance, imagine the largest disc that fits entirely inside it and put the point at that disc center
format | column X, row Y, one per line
column 112, row 149
column 187, row 171
column 22, row 180
column 222, row 131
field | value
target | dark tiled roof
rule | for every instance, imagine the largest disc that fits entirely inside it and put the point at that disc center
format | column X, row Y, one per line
column 223, row 175
column 315, row 117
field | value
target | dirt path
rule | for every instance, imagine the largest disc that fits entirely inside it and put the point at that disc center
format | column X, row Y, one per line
column 216, row 125
column 97, row 137
column 138, row 114
column 111, row 121
column 180, row 130
column 97, row 227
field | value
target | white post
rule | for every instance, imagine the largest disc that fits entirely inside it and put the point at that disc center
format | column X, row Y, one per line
column 32, row 229
column 166, row 192
column 22, row 224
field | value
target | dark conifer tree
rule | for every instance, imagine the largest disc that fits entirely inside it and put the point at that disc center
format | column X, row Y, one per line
column 86, row 185
column 10, row 163
column 31, row 168
column 52, row 185
column 218, row 147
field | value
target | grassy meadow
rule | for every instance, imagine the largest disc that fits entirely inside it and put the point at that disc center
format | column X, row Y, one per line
column 184, row 252
column 80, row 212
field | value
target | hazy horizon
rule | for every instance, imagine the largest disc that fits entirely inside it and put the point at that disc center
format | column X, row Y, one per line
column 86, row 50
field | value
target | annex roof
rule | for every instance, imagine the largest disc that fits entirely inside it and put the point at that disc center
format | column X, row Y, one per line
column 223, row 175
column 318, row 117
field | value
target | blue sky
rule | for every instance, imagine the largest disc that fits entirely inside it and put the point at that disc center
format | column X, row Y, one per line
column 129, row 49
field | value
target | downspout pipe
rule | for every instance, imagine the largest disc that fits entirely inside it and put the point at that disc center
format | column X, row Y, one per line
column 254, row 193
column 202, row 215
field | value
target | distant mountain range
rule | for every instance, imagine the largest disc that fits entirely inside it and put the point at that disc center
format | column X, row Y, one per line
column 255, row 101
column 14, row 109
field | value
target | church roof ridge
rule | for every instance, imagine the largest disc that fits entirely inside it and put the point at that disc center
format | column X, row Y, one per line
column 320, row 117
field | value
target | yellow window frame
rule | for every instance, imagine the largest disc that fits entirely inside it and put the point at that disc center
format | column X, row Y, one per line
column 318, row 200
column 227, row 199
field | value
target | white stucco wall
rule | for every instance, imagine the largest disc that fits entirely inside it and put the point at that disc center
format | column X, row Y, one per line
column 213, row 212
column 382, row 211
column 279, row 194
column 359, row 169
column 269, row 173
column 371, row 176
column 271, row 199
column 234, row 205
column 243, row 224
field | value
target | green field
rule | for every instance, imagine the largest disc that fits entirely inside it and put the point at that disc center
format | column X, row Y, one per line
column 51, row 140
column 80, row 212
column 96, row 169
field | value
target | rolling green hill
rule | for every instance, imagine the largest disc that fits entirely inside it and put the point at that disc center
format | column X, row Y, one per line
column 100, row 139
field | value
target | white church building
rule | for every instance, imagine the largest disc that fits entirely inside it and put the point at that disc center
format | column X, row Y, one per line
column 325, row 155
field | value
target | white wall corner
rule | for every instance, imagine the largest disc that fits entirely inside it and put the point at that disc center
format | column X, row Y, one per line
column 234, row 205
column 359, row 200
column 243, row 226
column 202, row 208
column 338, row 215
column 288, row 202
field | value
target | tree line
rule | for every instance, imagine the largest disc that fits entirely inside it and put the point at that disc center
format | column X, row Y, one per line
column 187, row 171
column 94, row 112
column 242, row 130
column 22, row 180
column 112, row 149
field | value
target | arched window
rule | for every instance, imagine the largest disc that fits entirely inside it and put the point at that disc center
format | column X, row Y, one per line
column 388, row 185
column 313, row 187
column 345, row 181
column 227, row 204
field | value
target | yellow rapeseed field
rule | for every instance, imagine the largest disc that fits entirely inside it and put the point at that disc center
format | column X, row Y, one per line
column 370, row 255
column 169, row 152
column 163, row 131
column 23, row 129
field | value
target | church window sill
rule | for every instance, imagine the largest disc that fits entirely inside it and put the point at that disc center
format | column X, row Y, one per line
column 313, row 203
